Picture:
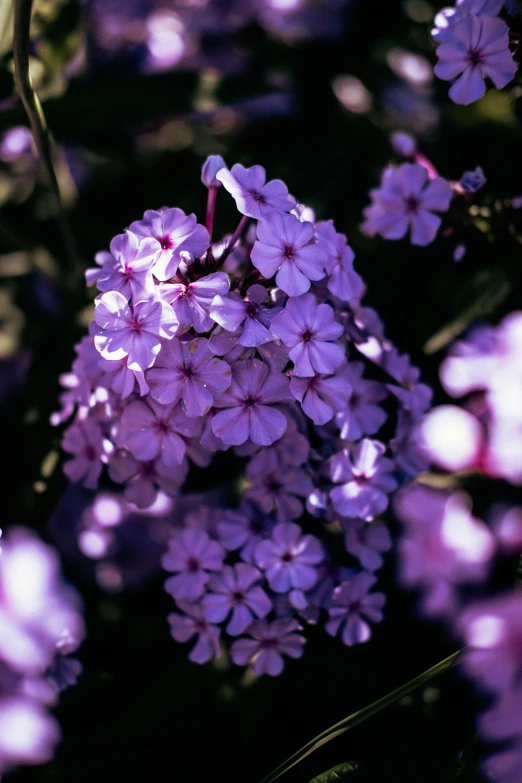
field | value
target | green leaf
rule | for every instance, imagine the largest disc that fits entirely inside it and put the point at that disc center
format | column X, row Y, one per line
column 338, row 773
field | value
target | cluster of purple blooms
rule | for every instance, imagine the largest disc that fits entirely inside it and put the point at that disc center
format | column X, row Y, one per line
column 40, row 626
column 259, row 344
column 473, row 46
column 445, row 550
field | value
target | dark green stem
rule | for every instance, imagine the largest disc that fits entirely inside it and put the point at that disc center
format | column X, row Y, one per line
column 361, row 715
column 33, row 108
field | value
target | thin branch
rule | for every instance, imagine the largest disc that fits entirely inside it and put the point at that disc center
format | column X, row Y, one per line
column 361, row 715
column 33, row 108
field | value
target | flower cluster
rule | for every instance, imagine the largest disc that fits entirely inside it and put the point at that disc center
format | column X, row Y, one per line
column 446, row 551
column 473, row 45
column 40, row 626
column 257, row 344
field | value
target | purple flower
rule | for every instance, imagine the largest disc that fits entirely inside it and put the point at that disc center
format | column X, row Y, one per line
column 288, row 559
column 234, row 590
column 191, row 303
column 366, row 479
column 269, row 642
column 352, row 607
column 406, row 200
column 366, row 542
column 151, row 430
column 247, row 400
column 90, row 450
column 188, row 372
column 192, row 556
column 321, row 396
column 492, row 630
column 476, row 48
column 28, row 733
column 194, row 623
column 442, row 546
column 362, row 416
column 279, row 489
column 285, row 248
column 306, row 328
column 36, row 606
column 231, row 310
column 142, row 479
column 135, row 332
column 128, row 267
column 176, row 233
column 252, row 196
column 343, row 280
column 244, row 529
column 505, row 766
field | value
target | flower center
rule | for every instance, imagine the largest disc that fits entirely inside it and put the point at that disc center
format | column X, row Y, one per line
column 412, row 204
column 193, row 565
column 161, row 426
column 249, row 402
column 474, row 56
column 238, row 595
column 89, row 452
column 287, row 557
column 166, row 242
column 128, row 273
column 288, row 251
column 307, row 335
column 135, row 324
column 251, row 309
column 269, row 643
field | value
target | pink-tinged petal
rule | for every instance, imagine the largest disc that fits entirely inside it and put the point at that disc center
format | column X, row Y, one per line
column 143, row 351
column 172, row 450
column 266, row 425
column 291, row 280
column 112, row 311
column 231, row 425
column 469, row 87
column 424, row 228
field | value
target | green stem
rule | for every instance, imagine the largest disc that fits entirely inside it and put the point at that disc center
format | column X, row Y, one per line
column 34, row 111
column 361, row 715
